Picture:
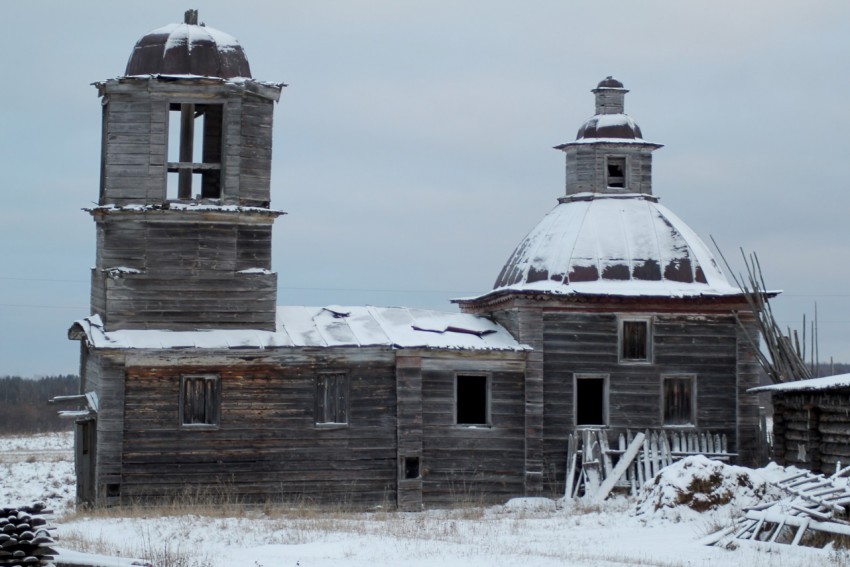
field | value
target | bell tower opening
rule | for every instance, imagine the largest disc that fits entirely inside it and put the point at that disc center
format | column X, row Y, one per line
column 616, row 172
column 194, row 151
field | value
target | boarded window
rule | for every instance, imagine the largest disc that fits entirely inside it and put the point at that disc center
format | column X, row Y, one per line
column 194, row 151
column 679, row 400
column 616, row 172
column 472, row 400
column 591, row 399
column 332, row 398
column 635, row 340
column 200, row 400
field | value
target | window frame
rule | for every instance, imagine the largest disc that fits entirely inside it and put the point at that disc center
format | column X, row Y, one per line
column 621, row 339
column 620, row 160
column 211, row 422
column 340, row 412
column 488, row 420
column 692, row 378
column 606, row 391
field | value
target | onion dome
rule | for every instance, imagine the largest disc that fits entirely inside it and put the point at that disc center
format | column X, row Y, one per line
column 610, row 245
column 188, row 49
column 609, row 82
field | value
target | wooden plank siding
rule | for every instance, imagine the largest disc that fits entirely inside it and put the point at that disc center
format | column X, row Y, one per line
column 135, row 141
column 188, row 273
column 472, row 464
column 704, row 346
column 267, row 446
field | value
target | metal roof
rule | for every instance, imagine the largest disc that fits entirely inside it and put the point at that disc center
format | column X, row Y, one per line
column 613, row 245
column 331, row 326
column 188, row 49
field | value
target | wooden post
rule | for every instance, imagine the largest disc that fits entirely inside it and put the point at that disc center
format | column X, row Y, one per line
column 187, row 140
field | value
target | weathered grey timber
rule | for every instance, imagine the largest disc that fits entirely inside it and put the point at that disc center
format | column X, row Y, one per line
column 202, row 387
column 811, row 423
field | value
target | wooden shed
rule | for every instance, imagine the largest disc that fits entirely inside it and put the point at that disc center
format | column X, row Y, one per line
column 811, row 422
column 611, row 314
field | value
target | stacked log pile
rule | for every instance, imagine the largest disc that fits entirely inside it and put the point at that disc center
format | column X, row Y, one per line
column 25, row 536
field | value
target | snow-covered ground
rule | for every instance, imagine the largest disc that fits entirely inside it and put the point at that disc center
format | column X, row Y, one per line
column 659, row 529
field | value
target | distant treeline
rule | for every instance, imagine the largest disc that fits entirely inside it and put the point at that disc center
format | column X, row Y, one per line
column 24, row 407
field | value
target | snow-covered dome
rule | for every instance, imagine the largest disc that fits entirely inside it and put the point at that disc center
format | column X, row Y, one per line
column 613, row 245
column 188, row 49
column 610, row 126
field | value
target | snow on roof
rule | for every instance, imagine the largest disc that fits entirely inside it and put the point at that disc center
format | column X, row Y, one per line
column 331, row 326
column 613, row 245
column 191, row 206
column 810, row 385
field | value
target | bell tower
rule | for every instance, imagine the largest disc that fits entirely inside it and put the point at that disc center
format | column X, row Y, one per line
column 609, row 154
column 183, row 219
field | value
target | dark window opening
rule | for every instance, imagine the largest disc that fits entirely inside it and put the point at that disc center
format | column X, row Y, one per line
column 411, row 467
column 679, row 401
column 200, row 400
column 590, row 401
column 332, row 398
column 471, row 400
column 194, row 150
column 616, row 172
column 113, row 490
column 634, row 341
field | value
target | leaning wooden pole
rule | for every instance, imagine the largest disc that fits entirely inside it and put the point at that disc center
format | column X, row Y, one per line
column 776, row 352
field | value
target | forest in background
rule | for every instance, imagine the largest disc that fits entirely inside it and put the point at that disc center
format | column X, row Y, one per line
column 24, row 407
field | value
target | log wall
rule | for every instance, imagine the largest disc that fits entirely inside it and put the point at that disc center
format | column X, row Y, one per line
column 811, row 430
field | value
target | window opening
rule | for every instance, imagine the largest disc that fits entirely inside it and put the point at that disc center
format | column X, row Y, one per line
column 410, row 468
column 591, row 400
column 332, row 398
column 634, row 341
column 194, row 150
column 471, row 400
column 200, row 400
column 679, row 396
column 616, row 172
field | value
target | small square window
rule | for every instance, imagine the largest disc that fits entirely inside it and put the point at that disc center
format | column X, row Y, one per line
column 200, row 399
column 635, row 340
column 410, row 468
column 615, row 170
column 679, row 400
column 332, row 398
column 472, row 400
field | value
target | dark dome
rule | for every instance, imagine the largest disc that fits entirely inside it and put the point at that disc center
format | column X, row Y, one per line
column 188, row 49
column 609, row 82
column 610, row 126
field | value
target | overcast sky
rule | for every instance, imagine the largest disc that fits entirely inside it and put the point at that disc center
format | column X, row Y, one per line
column 413, row 146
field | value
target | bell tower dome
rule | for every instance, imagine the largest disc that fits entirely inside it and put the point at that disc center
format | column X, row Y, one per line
column 183, row 218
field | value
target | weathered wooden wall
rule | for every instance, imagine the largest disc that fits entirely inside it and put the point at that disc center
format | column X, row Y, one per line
column 268, row 445
column 812, row 429
column 703, row 346
column 186, row 271
column 472, row 464
column 135, row 138
column 586, row 169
